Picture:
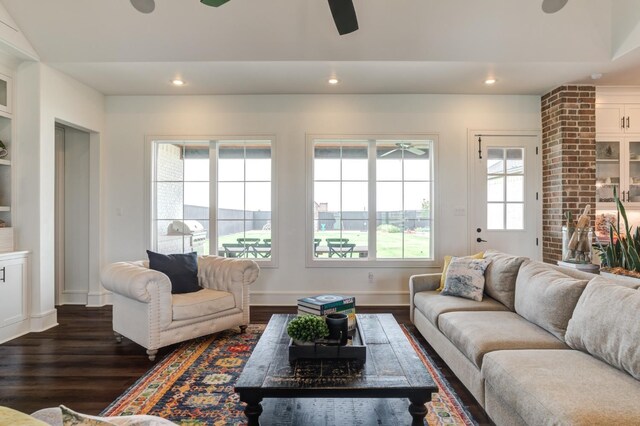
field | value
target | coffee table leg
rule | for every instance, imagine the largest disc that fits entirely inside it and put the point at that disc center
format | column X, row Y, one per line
column 253, row 411
column 418, row 411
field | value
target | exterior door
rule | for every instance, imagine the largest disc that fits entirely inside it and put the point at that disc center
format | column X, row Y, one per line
column 505, row 214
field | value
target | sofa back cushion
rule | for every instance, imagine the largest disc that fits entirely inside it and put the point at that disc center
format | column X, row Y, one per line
column 500, row 277
column 606, row 324
column 547, row 297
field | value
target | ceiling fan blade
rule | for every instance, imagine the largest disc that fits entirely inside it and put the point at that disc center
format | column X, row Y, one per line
column 415, row 151
column 389, row 152
column 344, row 15
column 214, row 3
column 553, row 6
column 144, row 6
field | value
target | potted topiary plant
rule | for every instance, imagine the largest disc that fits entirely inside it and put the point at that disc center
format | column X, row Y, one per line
column 307, row 329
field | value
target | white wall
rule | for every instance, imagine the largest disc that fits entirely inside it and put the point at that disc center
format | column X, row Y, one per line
column 289, row 118
column 76, row 212
column 46, row 96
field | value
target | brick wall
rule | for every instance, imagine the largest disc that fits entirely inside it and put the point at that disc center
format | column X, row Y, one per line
column 568, row 161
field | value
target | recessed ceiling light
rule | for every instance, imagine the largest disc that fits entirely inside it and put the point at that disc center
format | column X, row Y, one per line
column 490, row 81
column 596, row 76
column 177, row 82
column 334, row 81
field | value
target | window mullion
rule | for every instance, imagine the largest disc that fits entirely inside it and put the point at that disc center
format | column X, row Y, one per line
column 213, row 200
column 373, row 208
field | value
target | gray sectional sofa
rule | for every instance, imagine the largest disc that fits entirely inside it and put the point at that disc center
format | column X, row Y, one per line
column 546, row 345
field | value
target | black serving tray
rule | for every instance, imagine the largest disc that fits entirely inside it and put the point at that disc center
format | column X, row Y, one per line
column 356, row 349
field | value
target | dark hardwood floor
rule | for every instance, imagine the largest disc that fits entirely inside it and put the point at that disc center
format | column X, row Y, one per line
column 79, row 364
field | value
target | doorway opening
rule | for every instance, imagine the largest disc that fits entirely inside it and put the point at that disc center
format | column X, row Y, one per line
column 72, row 215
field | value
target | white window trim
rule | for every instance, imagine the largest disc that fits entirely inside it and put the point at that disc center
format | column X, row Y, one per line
column 271, row 262
column 312, row 262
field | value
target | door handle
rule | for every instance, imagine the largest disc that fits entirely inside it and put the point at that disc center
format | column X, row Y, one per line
column 4, row 274
column 478, row 230
column 480, row 240
column 628, row 122
column 622, row 122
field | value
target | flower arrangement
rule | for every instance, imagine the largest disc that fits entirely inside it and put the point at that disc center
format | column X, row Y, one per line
column 308, row 328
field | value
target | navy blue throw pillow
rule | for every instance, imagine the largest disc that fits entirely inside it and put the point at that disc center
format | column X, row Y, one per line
column 182, row 270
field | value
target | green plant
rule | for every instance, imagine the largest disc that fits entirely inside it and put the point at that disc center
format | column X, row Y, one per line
column 622, row 251
column 308, row 328
column 387, row 227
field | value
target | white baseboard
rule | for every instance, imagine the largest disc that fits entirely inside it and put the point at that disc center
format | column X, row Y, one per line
column 11, row 331
column 95, row 300
column 44, row 321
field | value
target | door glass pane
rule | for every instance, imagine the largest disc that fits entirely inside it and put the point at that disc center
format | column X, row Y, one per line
column 495, row 216
column 495, row 188
column 515, row 216
column 495, row 160
column 389, row 161
column 515, row 160
column 417, row 168
column 515, row 188
column 417, row 199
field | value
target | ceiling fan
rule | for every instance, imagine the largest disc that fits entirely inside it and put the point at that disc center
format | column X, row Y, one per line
column 553, row 6
column 343, row 12
column 405, row 146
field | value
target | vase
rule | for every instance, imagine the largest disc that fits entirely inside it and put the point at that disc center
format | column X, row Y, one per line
column 302, row 343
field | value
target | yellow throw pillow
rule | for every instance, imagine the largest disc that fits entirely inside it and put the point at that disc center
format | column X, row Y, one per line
column 447, row 260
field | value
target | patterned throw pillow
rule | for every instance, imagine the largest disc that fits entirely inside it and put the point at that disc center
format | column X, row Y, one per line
column 465, row 278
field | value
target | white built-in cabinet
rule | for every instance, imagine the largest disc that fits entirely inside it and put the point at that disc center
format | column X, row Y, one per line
column 14, row 265
column 14, row 294
column 617, row 147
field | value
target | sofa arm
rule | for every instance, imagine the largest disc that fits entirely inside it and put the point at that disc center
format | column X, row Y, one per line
column 132, row 280
column 423, row 282
column 228, row 274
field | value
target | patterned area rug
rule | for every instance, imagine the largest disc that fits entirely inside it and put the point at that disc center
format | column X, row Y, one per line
column 193, row 385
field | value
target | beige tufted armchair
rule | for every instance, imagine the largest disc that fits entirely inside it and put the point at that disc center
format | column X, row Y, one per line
column 145, row 311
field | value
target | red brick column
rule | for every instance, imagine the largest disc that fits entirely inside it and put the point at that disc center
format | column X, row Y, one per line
column 568, row 161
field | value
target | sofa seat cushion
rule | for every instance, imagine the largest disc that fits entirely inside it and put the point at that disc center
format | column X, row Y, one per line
column 478, row 333
column 201, row 303
column 562, row 387
column 432, row 304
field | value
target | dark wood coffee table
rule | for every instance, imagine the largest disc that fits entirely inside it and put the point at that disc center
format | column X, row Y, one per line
column 393, row 370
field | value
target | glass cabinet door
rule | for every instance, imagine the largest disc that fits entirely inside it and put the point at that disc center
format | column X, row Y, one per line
column 608, row 170
column 634, row 171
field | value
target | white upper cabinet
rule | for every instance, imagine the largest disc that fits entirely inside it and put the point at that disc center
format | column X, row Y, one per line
column 618, row 118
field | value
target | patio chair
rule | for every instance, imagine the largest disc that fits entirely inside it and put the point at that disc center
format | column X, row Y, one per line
column 340, row 247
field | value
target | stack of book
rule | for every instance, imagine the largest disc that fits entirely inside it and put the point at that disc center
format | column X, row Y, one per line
column 326, row 304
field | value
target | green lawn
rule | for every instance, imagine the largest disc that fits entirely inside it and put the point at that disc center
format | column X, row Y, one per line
column 389, row 244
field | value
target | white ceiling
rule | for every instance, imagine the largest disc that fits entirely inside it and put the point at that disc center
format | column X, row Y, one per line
column 292, row 46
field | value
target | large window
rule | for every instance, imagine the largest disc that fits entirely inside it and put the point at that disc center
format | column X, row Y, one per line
column 372, row 199
column 213, row 197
